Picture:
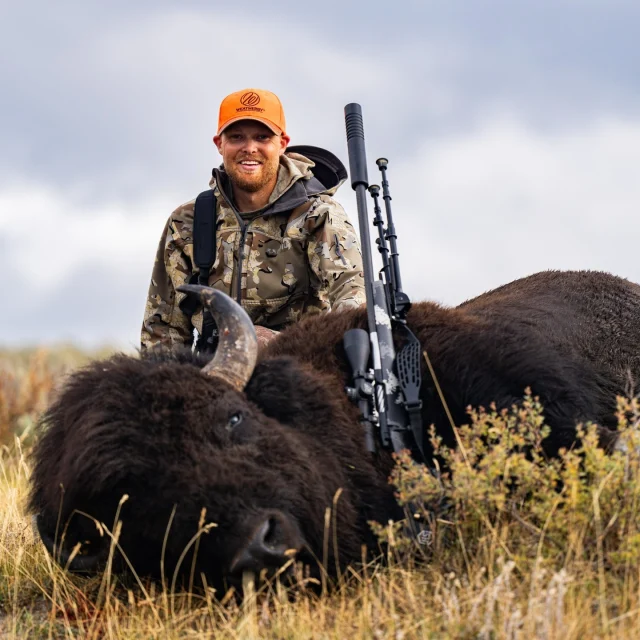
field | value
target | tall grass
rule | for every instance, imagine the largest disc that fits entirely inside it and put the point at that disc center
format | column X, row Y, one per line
column 28, row 379
column 521, row 547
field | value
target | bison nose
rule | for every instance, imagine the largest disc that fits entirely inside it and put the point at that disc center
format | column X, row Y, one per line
column 274, row 541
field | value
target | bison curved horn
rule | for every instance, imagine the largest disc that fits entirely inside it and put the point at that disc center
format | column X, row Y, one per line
column 235, row 357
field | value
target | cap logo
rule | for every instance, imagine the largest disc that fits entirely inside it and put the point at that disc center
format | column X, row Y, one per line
column 250, row 99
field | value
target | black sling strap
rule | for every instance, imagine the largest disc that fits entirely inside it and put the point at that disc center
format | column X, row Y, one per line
column 204, row 234
column 204, row 255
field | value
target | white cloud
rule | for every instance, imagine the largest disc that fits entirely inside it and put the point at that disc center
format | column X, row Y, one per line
column 475, row 211
column 47, row 236
column 75, row 274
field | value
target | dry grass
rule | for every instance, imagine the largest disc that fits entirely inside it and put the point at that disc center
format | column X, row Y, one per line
column 522, row 548
column 28, row 378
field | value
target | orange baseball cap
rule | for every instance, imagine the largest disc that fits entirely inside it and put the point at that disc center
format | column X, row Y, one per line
column 252, row 104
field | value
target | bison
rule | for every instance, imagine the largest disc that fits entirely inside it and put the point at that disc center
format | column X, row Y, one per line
column 266, row 446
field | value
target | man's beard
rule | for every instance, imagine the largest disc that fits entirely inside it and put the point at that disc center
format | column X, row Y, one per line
column 253, row 183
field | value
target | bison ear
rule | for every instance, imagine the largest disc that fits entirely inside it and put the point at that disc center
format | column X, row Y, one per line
column 237, row 352
column 81, row 562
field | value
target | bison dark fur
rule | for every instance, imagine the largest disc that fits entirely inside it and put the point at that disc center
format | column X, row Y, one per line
column 156, row 429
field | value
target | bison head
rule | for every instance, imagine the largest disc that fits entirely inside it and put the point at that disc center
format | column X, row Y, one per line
column 261, row 453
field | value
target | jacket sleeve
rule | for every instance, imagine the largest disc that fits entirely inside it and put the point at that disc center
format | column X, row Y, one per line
column 164, row 322
column 335, row 257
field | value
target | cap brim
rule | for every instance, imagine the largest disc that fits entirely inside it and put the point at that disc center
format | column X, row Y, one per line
column 264, row 121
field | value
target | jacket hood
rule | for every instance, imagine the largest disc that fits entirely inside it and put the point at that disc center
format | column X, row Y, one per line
column 320, row 166
column 304, row 171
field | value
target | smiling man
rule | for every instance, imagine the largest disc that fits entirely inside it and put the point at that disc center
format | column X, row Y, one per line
column 282, row 246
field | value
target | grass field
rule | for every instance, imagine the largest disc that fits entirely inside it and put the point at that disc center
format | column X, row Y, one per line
column 522, row 547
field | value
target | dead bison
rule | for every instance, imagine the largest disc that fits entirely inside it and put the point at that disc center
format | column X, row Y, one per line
column 265, row 448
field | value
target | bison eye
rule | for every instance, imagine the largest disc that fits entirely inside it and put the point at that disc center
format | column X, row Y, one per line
column 234, row 421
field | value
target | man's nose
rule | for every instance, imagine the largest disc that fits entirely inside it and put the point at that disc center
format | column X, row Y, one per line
column 250, row 146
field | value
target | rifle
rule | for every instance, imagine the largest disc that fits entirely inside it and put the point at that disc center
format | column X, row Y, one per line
column 386, row 385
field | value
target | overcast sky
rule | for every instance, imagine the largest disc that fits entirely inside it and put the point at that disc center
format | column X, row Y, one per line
column 512, row 130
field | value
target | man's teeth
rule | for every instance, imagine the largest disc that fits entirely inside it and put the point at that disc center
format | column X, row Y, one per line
column 251, row 162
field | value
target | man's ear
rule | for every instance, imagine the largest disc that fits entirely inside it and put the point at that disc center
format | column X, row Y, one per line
column 217, row 140
column 284, row 142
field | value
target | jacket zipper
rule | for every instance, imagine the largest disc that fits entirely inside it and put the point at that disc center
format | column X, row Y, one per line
column 244, row 226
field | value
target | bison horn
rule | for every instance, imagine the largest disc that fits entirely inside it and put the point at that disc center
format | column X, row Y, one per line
column 235, row 357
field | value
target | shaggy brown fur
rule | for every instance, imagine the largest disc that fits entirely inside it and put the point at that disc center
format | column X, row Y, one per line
column 572, row 336
column 158, row 430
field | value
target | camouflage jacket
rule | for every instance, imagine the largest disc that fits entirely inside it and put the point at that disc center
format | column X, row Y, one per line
column 300, row 255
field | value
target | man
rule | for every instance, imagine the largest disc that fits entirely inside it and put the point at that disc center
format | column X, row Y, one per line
column 283, row 246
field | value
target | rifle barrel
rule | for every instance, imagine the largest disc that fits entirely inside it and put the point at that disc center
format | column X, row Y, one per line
column 360, row 184
column 355, row 145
